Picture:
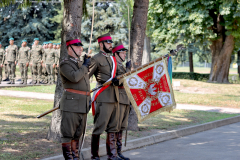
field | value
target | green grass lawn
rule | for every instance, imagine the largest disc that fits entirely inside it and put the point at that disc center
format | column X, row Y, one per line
column 23, row 136
column 202, row 70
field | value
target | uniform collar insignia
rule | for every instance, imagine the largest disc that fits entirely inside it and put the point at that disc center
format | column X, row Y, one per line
column 119, row 63
column 105, row 54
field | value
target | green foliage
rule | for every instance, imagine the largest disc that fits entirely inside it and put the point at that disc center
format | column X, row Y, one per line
column 190, row 21
column 27, row 23
column 190, row 75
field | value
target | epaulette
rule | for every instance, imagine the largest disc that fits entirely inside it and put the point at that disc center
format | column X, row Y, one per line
column 63, row 61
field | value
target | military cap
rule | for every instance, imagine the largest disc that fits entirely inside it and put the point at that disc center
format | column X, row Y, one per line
column 24, row 40
column 46, row 42
column 118, row 48
column 6, row 47
column 50, row 42
column 54, row 43
column 0, row 43
column 36, row 39
column 105, row 38
column 75, row 42
column 11, row 39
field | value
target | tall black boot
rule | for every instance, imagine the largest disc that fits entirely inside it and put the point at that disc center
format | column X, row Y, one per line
column 75, row 147
column 95, row 147
column 66, row 148
column 111, row 146
column 119, row 145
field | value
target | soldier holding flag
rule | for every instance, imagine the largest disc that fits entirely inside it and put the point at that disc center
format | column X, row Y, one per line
column 105, row 100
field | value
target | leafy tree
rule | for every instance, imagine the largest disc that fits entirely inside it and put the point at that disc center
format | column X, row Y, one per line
column 27, row 22
column 213, row 22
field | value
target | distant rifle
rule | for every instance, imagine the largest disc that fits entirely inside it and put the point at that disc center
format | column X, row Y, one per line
column 171, row 53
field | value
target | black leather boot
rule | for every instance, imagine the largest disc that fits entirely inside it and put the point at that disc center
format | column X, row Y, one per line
column 95, row 147
column 119, row 145
column 111, row 147
column 75, row 147
column 66, row 148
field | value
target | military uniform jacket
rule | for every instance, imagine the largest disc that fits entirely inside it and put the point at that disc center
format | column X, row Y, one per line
column 12, row 53
column 37, row 53
column 75, row 77
column 101, row 66
column 4, row 58
column 51, row 56
column 123, row 98
column 24, row 55
column 1, row 55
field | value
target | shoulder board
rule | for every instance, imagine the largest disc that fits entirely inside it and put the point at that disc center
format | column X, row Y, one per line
column 64, row 61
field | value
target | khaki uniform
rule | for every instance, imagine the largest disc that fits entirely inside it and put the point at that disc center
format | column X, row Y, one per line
column 74, row 106
column 124, row 103
column 23, row 59
column 106, row 115
column 30, row 62
column 5, row 65
column 50, row 59
column 44, row 69
column 37, row 56
column 1, row 62
column 11, row 59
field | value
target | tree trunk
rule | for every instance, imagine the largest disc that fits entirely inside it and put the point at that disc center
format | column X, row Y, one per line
column 146, row 51
column 190, row 61
column 238, row 63
column 71, row 29
column 138, row 28
column 221, row 57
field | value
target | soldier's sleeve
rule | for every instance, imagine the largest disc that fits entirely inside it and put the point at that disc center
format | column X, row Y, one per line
column 43, row 53
column 17, row 53
column 72, row 75
column 55, row 57
column 3, row 58
column 92, row 67
column 29, row 52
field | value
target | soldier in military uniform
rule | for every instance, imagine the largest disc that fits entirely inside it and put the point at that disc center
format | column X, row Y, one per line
column 106, row 114
column 1, row 60
column 23, row 61
column 37, row 56
column 119, row 51
column 44, row 69
column 74, row 103
column 50, row 62
column 5, row 66
column 12, row 60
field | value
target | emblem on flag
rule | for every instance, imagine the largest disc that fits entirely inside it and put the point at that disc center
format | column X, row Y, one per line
column 150, row 90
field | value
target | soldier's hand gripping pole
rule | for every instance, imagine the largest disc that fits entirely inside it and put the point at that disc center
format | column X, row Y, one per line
column 171, row 53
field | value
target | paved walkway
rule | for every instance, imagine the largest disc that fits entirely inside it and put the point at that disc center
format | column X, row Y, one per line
column 222, row 143
column 23, row 94
column 48, row 96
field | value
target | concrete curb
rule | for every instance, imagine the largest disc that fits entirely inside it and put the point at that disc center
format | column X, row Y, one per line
column 149, row 140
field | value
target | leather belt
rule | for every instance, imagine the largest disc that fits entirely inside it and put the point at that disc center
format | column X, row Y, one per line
column 78, row 92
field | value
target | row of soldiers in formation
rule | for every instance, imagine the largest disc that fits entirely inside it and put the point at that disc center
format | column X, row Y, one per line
column 43, row 61
column 110, row 104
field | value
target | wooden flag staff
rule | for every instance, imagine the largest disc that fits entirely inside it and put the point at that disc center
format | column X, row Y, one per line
column 172, row 53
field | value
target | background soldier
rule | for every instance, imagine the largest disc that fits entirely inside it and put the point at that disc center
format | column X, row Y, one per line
column 1, row 60
column 106, row 116
column 120, row 53
column 74, row 102
column 50, row 62
column 44, row 70
column 23, row 61
column 12, row 60
column 36, row 57
column 6, row 66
